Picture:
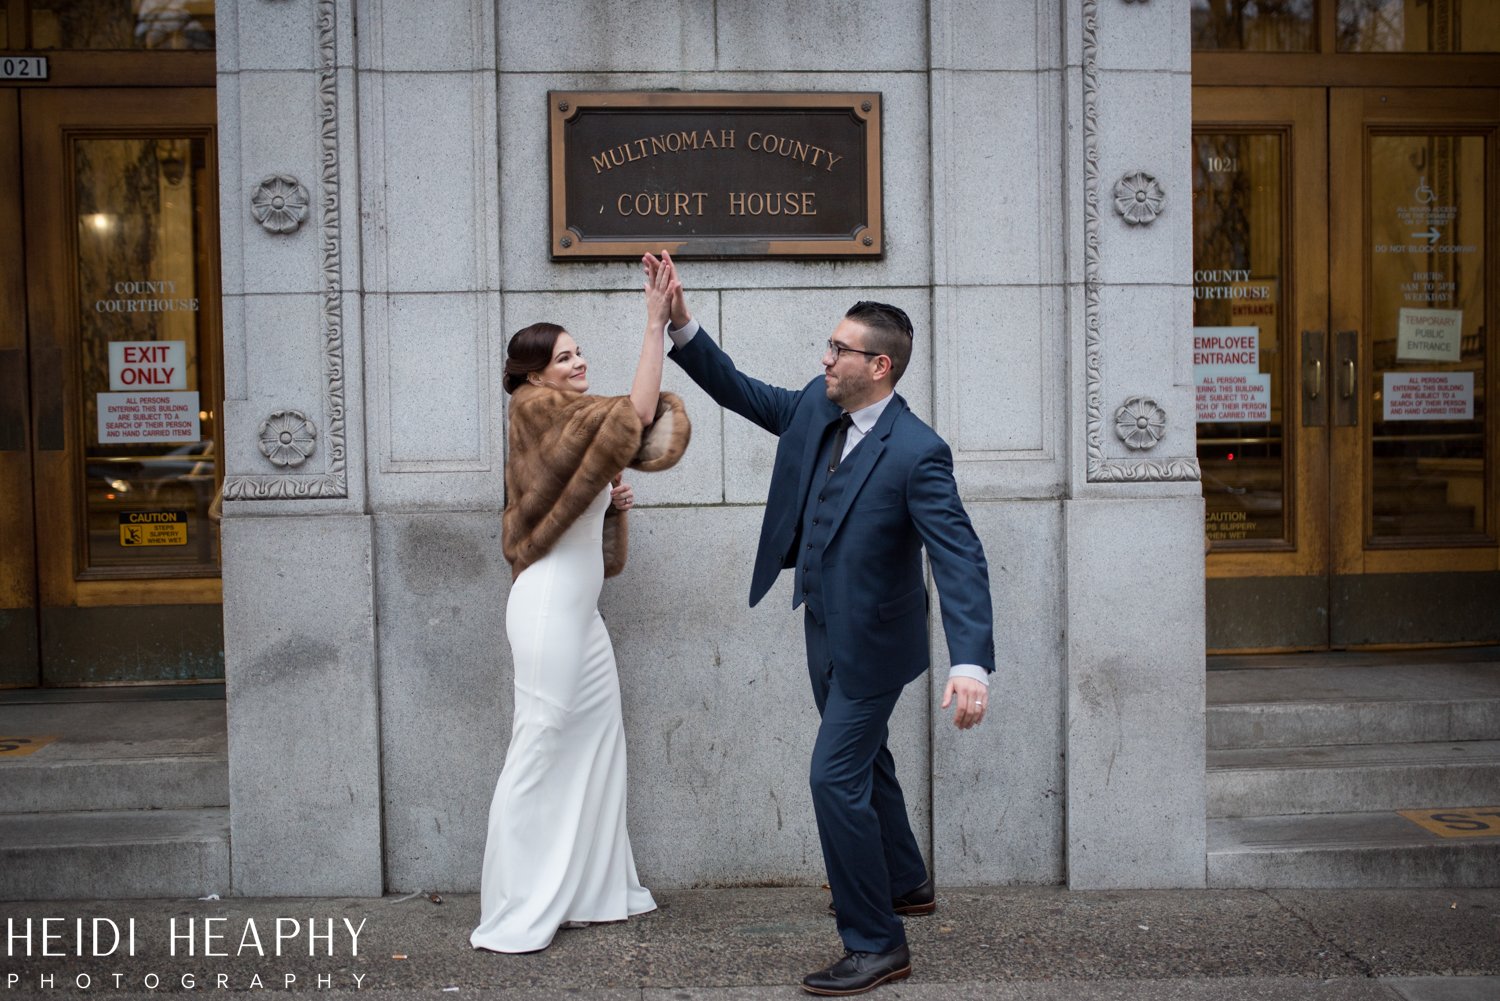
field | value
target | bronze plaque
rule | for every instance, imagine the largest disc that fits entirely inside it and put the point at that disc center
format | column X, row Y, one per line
column 715, row 174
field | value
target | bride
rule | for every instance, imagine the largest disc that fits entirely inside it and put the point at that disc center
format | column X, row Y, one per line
column 558, row 852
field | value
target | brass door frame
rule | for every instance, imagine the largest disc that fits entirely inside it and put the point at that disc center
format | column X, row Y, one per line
column 1354, row 115
column 47, row 117
column 1299, row 114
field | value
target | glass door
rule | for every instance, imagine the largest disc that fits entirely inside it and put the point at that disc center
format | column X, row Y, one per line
column 122, row 279
column 1344, row 322
column 1260, row 308
column 1413, row 279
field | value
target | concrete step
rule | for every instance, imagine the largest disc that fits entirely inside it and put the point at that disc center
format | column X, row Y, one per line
column 136, row 756
column 1345, row 850
column 1260, row 782
column 1376, row 704
column 114, row 854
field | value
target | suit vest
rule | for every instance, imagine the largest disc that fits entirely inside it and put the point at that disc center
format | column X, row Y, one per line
column 824, row 495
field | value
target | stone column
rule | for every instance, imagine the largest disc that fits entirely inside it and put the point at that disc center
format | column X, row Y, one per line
column 429, row 156
column 299, row 636
column 1134, row 510
column 999, row 343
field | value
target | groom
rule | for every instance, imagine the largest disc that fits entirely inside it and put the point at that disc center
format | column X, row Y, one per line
column 860, row 485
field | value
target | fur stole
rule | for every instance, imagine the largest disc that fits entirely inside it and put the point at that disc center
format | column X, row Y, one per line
column 567, row 447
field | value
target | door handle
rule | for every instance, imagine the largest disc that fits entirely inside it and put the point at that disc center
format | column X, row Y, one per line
column 1346, row 351
column 1314, row 400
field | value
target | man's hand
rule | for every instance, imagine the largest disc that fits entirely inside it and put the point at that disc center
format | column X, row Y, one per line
column 680, row 315
column 971, row 696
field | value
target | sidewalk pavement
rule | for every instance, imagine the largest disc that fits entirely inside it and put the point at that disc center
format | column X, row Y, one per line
column 1007, row 944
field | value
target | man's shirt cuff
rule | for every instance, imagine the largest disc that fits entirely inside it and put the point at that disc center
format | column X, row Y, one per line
column 974, row 671
column 681, row 335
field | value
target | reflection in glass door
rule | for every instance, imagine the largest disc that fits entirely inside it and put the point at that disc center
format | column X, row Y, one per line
column 1259, row 319
column 122, row 275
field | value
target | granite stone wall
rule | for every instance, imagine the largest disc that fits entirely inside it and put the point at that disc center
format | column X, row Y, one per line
column 383, row 318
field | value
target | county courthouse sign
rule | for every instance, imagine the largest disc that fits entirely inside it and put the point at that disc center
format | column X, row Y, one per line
column 715, row 174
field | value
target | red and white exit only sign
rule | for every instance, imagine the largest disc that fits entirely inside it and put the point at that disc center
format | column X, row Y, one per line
column 135, row 365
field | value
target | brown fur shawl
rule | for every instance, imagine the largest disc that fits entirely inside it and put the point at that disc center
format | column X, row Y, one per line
column 565, row 448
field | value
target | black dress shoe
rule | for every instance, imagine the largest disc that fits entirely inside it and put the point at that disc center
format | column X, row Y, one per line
column 858, row 972
column 922, row 900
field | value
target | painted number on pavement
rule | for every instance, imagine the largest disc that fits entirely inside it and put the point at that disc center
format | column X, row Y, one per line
column 17, row 747
column 1458, row 822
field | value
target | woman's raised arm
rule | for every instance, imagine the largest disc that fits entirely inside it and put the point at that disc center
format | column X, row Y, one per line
column 660, row 287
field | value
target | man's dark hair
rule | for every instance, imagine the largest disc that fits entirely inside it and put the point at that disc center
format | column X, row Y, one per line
column 890, row 332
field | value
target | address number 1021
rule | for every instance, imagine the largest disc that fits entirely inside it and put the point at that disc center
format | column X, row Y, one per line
column 23, row 67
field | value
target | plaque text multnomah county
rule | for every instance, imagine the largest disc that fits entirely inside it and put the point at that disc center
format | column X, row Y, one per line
column 715, row 174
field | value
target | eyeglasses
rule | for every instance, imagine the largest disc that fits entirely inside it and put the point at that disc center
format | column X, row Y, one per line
column 839, row 350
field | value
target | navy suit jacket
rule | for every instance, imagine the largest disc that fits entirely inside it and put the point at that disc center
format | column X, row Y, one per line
column 900, row 496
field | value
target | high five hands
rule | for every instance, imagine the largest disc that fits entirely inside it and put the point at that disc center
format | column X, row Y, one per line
column 662, row 290
column 654, row 266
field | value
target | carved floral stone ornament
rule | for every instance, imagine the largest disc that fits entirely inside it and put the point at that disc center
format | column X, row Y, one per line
column 1140, row 423
column 1138, row 198
column 279, row 203
column 287, row 438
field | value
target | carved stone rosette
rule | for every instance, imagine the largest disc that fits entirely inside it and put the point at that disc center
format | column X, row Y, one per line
column 1100, row 467
column 1139, row 198
column 279, row 203
column 333, row 480
column 1140, row 423
column 287, row 438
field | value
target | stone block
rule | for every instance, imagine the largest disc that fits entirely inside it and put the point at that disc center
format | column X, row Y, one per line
column 1146, row 332
column 445, row 692
column 779, row 336
column 279, row 135
column 232, row 322
column 526, row 201
column 978, row 35
column 436, row 36
column 299, row 643
column 718, row 709
column 1145, row 124
column 1145, row 36
column 608, row 327
column 822, row 35
column 436, row 400
column 995, row 196
column 272, row 36
column 231, row 224
column 998, row 790
column 588, row 35
column 1135, row 693
column 430, row 178
column 998, row 371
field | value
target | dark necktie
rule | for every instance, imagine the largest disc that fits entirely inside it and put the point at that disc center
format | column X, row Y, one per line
column 839, row 437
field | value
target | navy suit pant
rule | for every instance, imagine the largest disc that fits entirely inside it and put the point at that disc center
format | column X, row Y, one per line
column 868, row 847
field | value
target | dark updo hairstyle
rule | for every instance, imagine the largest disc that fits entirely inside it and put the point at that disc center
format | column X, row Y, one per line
column 530, row 350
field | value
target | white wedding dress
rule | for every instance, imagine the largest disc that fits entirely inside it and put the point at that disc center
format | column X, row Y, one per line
column 558, row 850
